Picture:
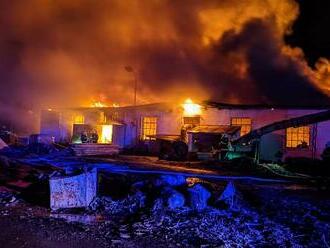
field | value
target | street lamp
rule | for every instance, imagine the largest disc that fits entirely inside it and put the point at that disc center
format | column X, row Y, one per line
column 131, row 70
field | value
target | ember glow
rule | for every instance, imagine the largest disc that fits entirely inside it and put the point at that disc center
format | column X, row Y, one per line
column 190, row 108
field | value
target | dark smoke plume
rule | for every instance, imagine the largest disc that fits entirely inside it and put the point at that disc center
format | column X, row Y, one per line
column 68, row 53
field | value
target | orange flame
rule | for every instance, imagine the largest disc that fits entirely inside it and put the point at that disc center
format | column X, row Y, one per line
column 191, row 109
column 98, row 104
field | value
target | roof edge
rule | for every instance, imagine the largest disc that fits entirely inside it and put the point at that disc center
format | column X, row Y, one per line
column 222, row 105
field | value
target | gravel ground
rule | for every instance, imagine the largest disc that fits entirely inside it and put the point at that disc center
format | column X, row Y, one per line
column 280, row 219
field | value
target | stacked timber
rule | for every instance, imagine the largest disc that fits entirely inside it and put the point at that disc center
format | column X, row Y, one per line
column 94, row 149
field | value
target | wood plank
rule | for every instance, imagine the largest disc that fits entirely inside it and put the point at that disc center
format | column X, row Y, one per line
column 94, row 149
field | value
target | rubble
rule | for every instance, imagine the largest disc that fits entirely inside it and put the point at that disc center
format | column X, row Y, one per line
column 7, row 199
column 172, row 180
column 198, row 197
column 137, row 211
column 158, row 206
column 174, row 198
column 231, row 196
column 129, row 205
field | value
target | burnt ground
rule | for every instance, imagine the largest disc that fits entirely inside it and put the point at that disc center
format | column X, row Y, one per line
column 265, row 214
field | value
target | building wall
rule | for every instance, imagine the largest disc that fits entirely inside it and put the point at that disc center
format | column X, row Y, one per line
column 50, row 124
column 323, row 136
column 274, row 142
column 170, row 121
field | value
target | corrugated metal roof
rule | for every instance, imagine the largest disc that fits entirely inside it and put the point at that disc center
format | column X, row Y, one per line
column 216, row 129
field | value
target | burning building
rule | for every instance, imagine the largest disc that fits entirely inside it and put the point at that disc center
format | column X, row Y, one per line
column 201, row 127
column 64, row 53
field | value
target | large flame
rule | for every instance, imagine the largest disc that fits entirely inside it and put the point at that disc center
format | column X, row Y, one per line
column 191, row 109
column 98, row 104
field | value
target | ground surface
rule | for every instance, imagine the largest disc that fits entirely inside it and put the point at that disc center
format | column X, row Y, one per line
column 280, row 219
column 270, row 211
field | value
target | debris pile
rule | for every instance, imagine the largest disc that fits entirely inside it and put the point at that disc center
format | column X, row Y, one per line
column 7, row 199
column 134, row 210
column 198, row 197
column 174, row 198
column 129, row 205
column 232, row 197
column 214, row 228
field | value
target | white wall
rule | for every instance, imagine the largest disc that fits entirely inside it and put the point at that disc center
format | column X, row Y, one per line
column 273, row 142
column 170, row 122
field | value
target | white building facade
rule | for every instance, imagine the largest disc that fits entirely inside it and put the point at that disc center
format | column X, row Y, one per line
column 133, row 125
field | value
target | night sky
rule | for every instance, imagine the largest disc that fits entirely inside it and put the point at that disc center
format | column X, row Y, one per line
column 311, row 31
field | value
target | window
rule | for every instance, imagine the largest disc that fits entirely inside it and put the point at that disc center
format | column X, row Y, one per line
column 149, row 127
column 191, row 120
column 106, row 135
column 78, row 119
column 244, row 123
column 298, row 137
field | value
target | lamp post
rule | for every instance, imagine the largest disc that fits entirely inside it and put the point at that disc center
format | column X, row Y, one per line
column 131, row 70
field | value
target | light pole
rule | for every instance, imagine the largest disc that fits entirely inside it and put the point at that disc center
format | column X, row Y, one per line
column 131, row 69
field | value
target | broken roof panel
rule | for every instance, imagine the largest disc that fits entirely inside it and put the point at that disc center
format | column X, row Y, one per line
column 215, row 129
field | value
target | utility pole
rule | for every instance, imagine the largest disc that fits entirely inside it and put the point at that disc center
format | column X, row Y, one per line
column 131, row 70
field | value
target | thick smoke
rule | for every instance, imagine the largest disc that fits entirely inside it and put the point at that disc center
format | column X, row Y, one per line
column 67, row 53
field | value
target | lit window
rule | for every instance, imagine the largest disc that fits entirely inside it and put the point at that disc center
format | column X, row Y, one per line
column 191, row 120
column 244, row 123
column 106, row 135
column 298, row 137
column 78, row 119
column 149, row 127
